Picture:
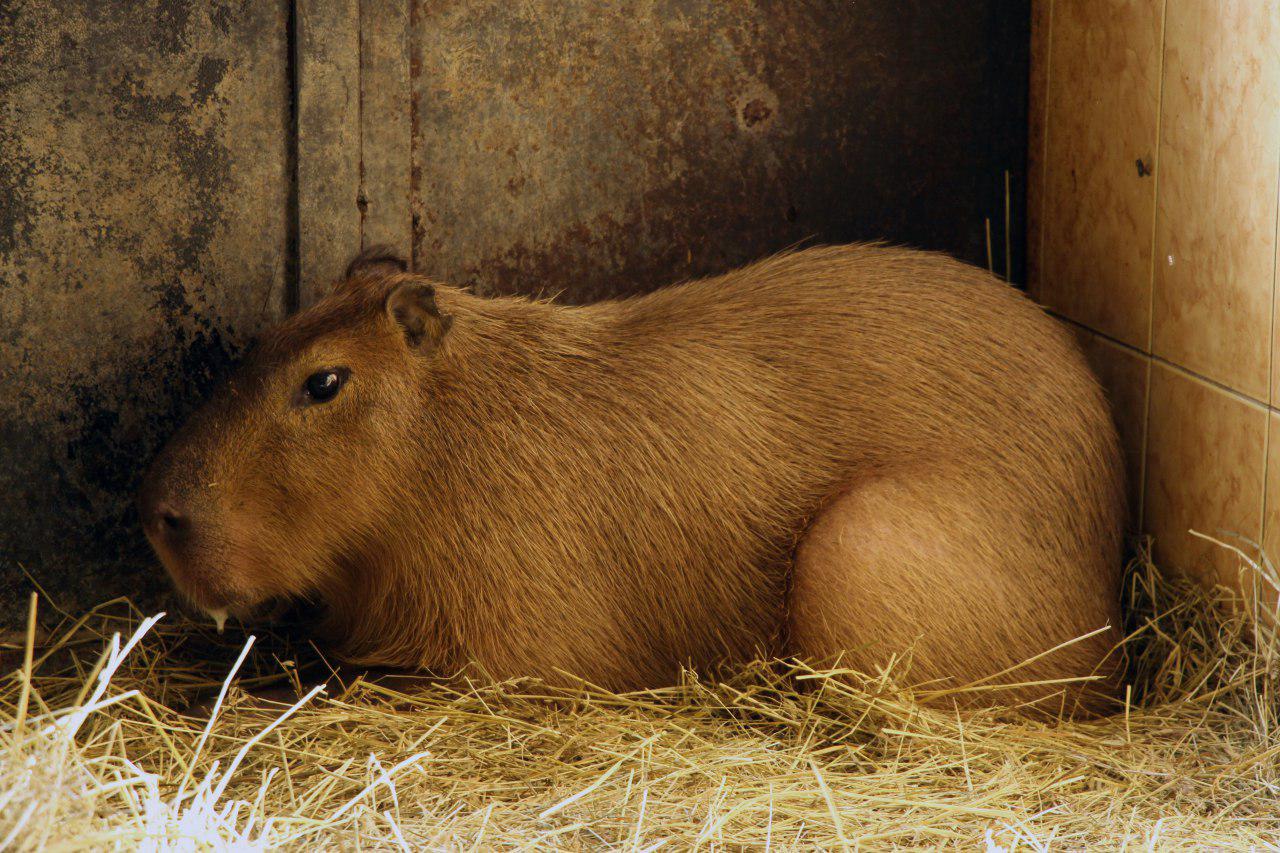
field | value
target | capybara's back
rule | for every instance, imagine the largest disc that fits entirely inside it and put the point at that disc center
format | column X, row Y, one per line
column 853, row 454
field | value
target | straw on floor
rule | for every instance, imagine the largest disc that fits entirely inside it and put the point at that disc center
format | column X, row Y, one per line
column 92, row 754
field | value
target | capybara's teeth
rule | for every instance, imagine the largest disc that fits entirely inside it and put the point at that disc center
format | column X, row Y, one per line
column 219, row 616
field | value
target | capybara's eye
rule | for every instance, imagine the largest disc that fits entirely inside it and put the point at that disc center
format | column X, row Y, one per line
column 323, row 385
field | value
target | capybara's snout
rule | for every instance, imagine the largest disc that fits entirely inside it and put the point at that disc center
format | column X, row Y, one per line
column 190, row 523
column 173, row 523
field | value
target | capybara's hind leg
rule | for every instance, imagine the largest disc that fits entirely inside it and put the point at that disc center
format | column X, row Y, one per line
column 942, row 573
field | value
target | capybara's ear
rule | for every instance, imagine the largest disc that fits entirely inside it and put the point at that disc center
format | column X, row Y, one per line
column 376, row 261
column 412, row 306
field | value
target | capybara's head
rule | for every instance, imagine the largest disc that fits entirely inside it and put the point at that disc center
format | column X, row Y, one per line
column 293, row 462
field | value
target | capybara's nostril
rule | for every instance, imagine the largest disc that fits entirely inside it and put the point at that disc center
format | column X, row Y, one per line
column 168, row 521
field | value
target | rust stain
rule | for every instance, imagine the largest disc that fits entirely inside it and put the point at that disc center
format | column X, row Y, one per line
column 756, row 111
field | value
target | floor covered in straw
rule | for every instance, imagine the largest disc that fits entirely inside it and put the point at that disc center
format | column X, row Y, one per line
column 94, row 755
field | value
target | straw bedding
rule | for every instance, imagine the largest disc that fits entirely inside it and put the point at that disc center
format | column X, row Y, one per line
column 93, row 754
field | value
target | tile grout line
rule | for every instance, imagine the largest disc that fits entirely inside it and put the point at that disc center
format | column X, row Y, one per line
column 1271, row 361
column 1173, row 365
column 1155, row 182
column 1151, row 280
column 1140, row 523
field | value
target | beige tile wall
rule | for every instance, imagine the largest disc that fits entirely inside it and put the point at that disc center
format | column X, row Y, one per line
column 1095, row 250
column 1152, row 227
column 1216, row 210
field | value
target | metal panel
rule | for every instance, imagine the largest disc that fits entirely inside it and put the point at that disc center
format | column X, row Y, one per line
column 385, row 116
column 328, row 69
column 143, row 182
column 590, row 148
column 353, row 134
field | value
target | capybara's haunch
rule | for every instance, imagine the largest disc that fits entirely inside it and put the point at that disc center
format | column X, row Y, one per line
column 852, row 455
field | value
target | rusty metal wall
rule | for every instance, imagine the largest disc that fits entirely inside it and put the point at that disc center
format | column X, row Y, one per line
column 143, row 239
column 175, row 174
column 594, row 148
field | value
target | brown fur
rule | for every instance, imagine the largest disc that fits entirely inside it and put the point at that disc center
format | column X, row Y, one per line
column 618, row 489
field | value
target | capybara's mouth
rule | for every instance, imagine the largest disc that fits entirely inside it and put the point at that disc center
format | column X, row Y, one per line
column 207, row 589
column 259, row 612
column 203, row 578
column 210, row 600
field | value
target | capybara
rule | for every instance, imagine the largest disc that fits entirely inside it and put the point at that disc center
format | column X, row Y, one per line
column 849, row 454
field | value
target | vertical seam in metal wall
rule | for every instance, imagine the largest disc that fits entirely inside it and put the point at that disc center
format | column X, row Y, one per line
column 293, row 249
column 1151, row 281
column 415, row 168
column 362, row 200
